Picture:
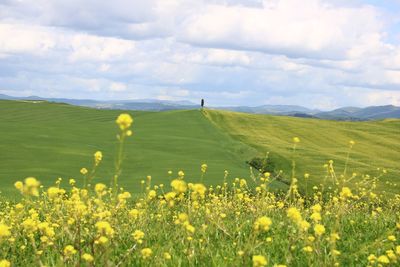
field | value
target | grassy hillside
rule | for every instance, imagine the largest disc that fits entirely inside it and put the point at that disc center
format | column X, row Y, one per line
column 377, row 143
column 48, row 140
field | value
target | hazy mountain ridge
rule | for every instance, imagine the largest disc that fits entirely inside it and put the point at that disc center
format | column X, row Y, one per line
column 345, row 113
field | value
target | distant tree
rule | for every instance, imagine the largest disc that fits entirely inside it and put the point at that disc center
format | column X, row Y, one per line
column 202, row 103
column 263, row 165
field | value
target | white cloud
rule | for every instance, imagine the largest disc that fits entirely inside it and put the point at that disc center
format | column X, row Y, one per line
column 118, row 87
column 25, row 39
column 87, row 47
column 290, row 27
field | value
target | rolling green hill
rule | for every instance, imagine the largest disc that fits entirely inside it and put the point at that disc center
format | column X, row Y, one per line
column 377, row 143
column 50, row 140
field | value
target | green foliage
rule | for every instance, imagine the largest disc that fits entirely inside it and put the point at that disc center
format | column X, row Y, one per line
column 263, row 165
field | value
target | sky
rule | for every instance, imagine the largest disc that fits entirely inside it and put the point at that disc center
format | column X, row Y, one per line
column 316, row 53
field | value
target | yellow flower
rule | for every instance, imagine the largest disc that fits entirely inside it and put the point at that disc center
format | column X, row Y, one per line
column 316, row 217
column 316, row 208
column 319, row 229
column 182, row 218
column 179, row 186
column 336, row 252
column 304, row 225
column 308, row 249
column 262, row 224
column 19, row 186
column 204, row 168
column 138, row 235
column 294, row 214
column 124, row 121
column 98, row 156
column 4, row 231
column 134, row 213
column 31, row 186
column 390, row 253
column 53, row 192
column 398, row 250
column 146, row 253
column 32, row 182
column 30, row 225
column 84, row 171
column 152, row 194
column 259, row 261
column 5, row 263
column 372, row 258
column 334, row 237
column 100, row 188
column 167, row 256
column 190, row 228
column 104, row 228
column 383, row 259
column 199, row 191
column 296, row 140
column 87, row 257
column 69, row 251
column 102, row 240
column 391, row 238
column 346, row 192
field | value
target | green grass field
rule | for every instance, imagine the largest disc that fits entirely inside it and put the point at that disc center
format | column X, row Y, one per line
column 49, row 140
column 377, row 143
column 243, row 222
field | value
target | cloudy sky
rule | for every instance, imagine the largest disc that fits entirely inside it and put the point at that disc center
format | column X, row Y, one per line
column 316, row 53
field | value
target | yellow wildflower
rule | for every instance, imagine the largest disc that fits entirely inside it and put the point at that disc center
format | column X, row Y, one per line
column 372, row 258
column 383, row 259
column 204, row 168
column 104, row 228
column 84, row 171
column 167, row 256
column 138, row 235
column 87, row 257
column 124, row 121
column 262, row 224
column 69, row 251
column 98, row 156
column 294, row 214
column 179, row 186
column 316, row 217
column 4, row 231
column 319, row 229
column 346, row 192
column 259, row 261
column 146, row 253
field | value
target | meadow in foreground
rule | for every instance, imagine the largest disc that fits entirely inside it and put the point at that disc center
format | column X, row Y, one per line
column 238, row 223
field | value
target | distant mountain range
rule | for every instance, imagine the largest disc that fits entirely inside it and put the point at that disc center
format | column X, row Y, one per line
column 345, row 113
